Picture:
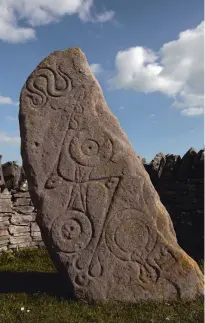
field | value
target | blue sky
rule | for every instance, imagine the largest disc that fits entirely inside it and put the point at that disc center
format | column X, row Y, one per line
column 148, row 58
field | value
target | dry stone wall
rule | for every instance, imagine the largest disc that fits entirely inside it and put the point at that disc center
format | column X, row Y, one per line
column 178, row 181
column 180, row 185
column 18, row 228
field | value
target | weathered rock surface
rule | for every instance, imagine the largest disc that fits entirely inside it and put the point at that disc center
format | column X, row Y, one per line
column 18, row 227
column 100, row 217
column 14, row 177
column 2, row 182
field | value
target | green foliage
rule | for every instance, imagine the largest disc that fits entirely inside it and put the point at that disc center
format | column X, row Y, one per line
column 42, row 307
column 26, row 260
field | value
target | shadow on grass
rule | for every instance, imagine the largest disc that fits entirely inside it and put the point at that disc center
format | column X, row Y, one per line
column 34, row 282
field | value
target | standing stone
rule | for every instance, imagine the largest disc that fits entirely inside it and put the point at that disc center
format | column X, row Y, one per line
column 100, row 217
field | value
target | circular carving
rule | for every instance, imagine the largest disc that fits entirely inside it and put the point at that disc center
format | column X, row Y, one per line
column 90, row 147
column 88, row 151
column 38, row 100
column 130, row 235
column 72, row 231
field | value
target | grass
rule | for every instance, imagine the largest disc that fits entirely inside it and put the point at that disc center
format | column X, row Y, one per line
column 31, row 291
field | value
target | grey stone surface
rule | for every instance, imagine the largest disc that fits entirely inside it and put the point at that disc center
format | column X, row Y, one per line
column 21, row 195
column 3, row 249
column 15, row 227
column 18, row 230
column 4, row 233
column 4, row 218
column 24, row 209
column 4, row 241
column 5, row 206
column 5, row 194
column 22, row 220
column 36, row 236
column 101, row 218
column 19, row 239
column 35, row 227
column 22, row 202
column 4, row 225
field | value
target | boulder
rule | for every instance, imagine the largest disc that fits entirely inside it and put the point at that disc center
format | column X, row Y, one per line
column 100, row 217
column 14, row 177
column 155, row 168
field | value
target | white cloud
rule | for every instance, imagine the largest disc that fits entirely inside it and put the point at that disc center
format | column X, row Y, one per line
column 177, row 70
column 5, row 138
column 85, row 13
column 41, row 12
column 189, row 112
column 152, row 115
column 105, row 16
column 121, row 108
column 6, row 100
column 96, row 68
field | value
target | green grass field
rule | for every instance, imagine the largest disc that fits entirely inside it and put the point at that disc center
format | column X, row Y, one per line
column 31, row 292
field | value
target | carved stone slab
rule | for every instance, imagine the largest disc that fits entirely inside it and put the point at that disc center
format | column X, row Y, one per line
column 100, row 217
